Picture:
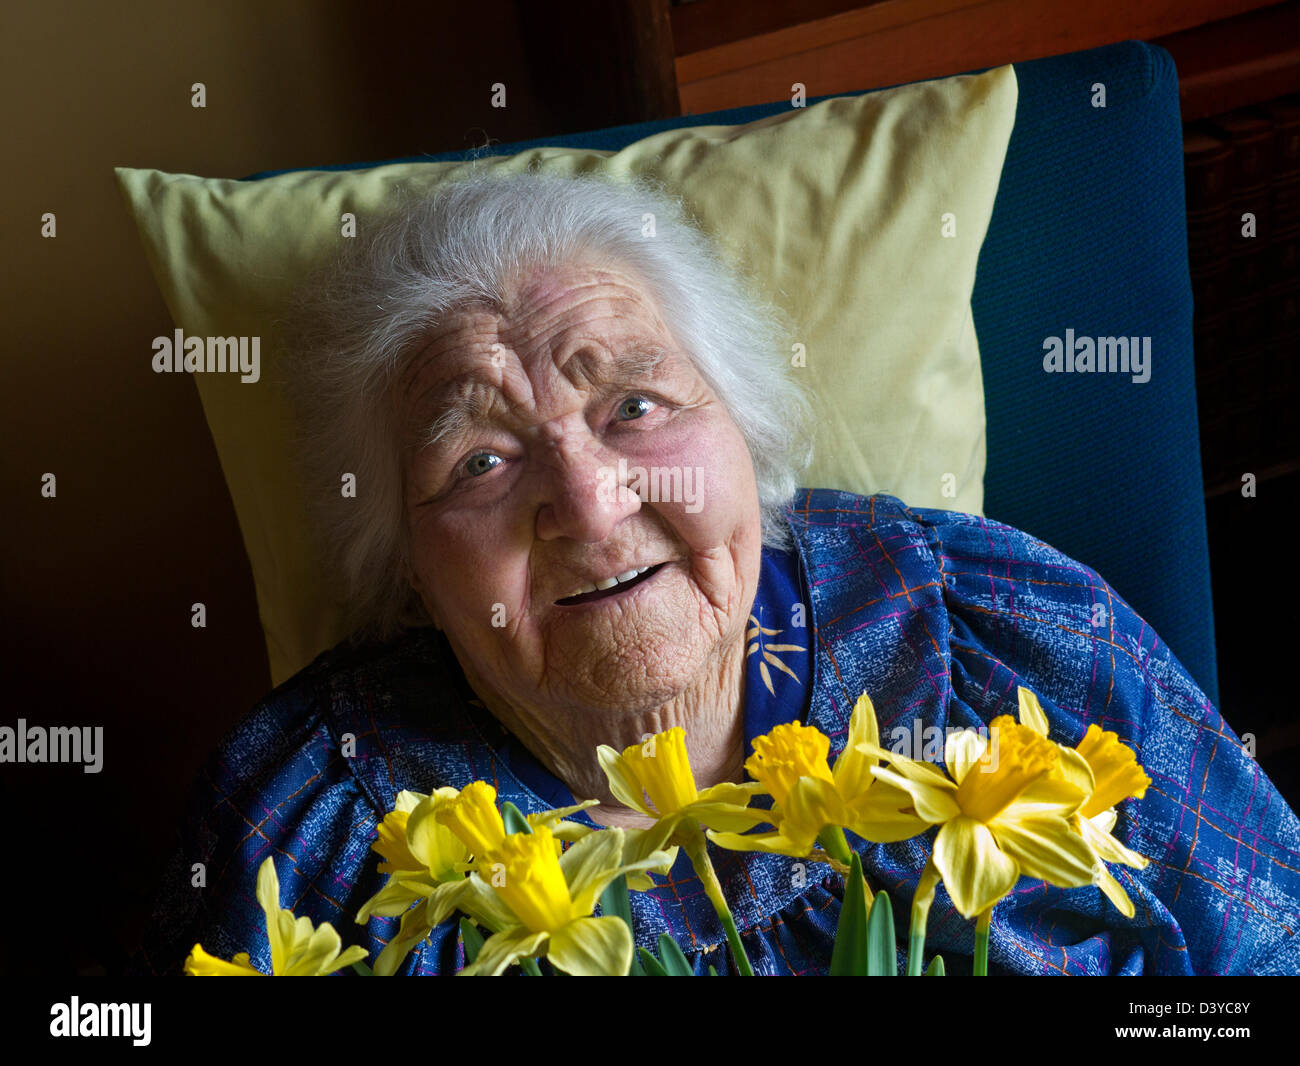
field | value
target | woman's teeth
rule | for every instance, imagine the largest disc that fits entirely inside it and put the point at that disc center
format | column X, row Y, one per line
column 607, row 583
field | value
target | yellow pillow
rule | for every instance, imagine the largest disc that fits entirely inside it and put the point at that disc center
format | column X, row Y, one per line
column 862, row 217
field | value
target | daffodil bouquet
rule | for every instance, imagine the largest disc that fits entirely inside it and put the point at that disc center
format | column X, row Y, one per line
column 528, row 888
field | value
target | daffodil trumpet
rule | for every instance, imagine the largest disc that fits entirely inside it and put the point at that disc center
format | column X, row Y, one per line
column 1108, row 771
column 814, row 802
column 540, row 903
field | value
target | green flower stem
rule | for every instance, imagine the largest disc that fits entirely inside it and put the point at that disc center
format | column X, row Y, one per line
column 920, row 916
column 833, row 842
column 832, row 839
column 982, row 943
column 697, row 850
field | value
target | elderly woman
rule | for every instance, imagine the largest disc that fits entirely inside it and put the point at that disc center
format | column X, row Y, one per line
column 577, row 453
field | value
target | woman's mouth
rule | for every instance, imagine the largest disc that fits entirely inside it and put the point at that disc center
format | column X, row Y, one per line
column 617, row 589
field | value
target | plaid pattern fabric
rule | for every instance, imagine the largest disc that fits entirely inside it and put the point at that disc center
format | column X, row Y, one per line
column 938, row 616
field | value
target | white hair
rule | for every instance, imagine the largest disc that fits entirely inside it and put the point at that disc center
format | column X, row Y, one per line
column 355, row 326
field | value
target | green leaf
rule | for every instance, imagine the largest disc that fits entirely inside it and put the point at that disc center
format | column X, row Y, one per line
column 529, row 966
column 713, row 972
column 849, row 958
column 935, row 969
column 614, row 901
column 363, row 969
column 673, row 960
column 650, row 964
column 472, row 938
column 514, row 821
column 882, row 956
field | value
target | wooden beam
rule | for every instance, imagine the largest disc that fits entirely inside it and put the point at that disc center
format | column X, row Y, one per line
column 1240, row 61
column 899, row 41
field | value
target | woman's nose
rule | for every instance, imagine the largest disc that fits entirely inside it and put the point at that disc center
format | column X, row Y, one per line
column 586, row 495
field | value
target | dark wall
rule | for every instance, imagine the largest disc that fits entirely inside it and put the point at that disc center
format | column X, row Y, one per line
column 98, row 581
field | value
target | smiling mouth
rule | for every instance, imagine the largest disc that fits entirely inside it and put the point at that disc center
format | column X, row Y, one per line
column 615, row 590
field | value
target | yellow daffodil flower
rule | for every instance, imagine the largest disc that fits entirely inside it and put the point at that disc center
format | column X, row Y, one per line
column 297, row 948
column 426, row 864
column 791, row 764
column 659, row 768
column 1002, row 814
column 427, row 859
column 540, row 903
column 1113, row 775
column 472, row 815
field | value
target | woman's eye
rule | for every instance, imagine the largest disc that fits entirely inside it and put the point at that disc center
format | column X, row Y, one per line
column 480, row 463
column 634, row 407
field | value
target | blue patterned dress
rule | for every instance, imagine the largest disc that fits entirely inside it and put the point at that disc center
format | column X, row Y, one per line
column 938, row 616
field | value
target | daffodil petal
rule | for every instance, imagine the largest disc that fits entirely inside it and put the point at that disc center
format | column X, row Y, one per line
column 407, row 801
column 776, row 843
column 444, row 900
column 501, row 949
column 1051, row 795
column 852, row 770
column 726, row 817
column 961, row 751
column 268, row 895
column 886, row 815
column 1031, row 711
column 731, row 793
column 873, row 751
column 482, row 904
column 570, row 832
column 312, row 953
column 933, row 802
column 434, row 845
column 395, row 897
column 553, row 819
column 1046, row 848
column 622, row 782
column 638, row 843
column 202, row 964
column 916, row 770
column 1114, row 892
column 348, row 956
column 1075, row 769
column 592, row 947
column 811, row 805
column 591, row 864
column 976, row 872
column 413, row 930
column 1104, row 844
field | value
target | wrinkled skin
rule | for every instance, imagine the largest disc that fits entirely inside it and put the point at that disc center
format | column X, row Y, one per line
column 516, row 511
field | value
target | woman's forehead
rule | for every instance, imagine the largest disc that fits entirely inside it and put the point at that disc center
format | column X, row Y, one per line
column 593, row 332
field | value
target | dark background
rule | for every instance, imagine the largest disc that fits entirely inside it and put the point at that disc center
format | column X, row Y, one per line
column 98, row 581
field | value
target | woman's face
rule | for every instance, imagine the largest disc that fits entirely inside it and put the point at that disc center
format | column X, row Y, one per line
column 589, row 447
